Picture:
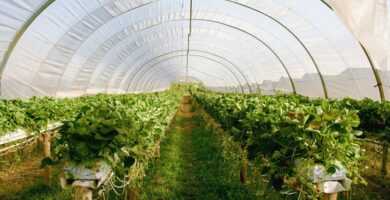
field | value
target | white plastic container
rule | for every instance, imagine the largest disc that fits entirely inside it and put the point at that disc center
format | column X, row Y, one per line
column 79, row 175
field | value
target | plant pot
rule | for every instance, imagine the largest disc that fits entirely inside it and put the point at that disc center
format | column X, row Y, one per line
column 318, row 173
column 78, row 175
column 327, row 183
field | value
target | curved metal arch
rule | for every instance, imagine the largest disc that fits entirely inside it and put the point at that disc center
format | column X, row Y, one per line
column 157, row 82
column 128, row 78
column 246, row 32
column 217, row 80
column 241, row 30
column 235, row 66
column 256, row 38
column 374, row 69
column 156, row 72
column 80, row 20
column 285, row 68
column 296, row 37
column 151, row 60
column 276, row 55
column 159, row 57
column 176, row 56
column 253, row 36
column 154, row 65
column 206, row 52
column 19, row 35
column 184, row 50
column 239, row 69
column 230, row 62
column 210, row 80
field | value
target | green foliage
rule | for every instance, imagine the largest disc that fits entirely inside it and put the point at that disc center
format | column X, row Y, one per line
column 118, row 130
column 374, row 115
column 36, row 113
column 97, row 134
column 191, row 167
column 282, row 130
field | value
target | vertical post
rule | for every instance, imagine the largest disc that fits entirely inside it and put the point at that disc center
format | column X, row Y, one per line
column 214, row 127
column 384, row 159
column 332, row 196
column 244, row 173
column 46, row 151
column 132, row 192
column 244, row 169
column 82, row 193
column 376, row 75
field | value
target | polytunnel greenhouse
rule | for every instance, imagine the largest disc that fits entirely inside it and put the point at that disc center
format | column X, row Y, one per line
column 194, row 99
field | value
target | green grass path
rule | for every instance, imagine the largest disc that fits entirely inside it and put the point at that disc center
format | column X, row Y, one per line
column 191, row 167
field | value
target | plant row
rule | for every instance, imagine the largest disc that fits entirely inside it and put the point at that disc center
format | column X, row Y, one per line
column 116, row 130
column 35, row 114
column 287, row 136
column 374, row 115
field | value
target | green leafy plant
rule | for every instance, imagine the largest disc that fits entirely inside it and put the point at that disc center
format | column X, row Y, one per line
column 119, row 130
column 278, row 131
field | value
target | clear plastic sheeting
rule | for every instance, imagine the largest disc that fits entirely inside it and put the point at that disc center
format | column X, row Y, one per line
column 78, row 47
column 367, row 20
column 13, row 15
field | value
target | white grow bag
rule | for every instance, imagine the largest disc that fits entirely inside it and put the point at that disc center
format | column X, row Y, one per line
column 78, row 175
column 328, row 183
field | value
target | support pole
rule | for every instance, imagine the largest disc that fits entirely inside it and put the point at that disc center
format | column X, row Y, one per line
column 132, row 192
column 244, row 173
column 384, row 159
column 376, row 75
column 46, row 151
column 82, row 193
column 332, row 196
column 244, row 169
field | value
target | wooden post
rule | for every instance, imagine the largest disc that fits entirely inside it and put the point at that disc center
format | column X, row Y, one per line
column 46, row 151
column 244, row 169
column 157, row 150
column 332, row 196
column 132, row 192
column 384, row 159
column 244, row 173
column 82, row 193
column 215, row 126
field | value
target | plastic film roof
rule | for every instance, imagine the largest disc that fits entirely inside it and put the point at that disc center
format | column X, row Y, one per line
column 67, row 48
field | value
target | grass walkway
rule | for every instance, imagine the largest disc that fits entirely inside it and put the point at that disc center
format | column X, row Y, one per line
column 191, row 167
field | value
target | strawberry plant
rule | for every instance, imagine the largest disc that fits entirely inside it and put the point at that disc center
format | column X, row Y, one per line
column 280, row 131
column 116, row 130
